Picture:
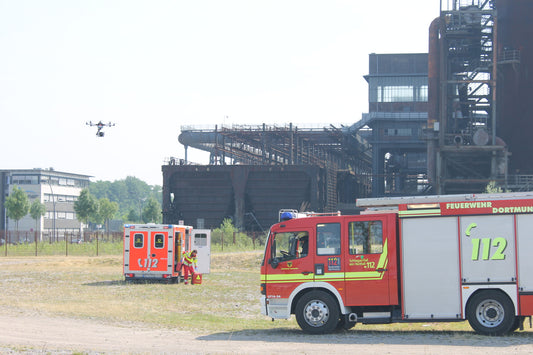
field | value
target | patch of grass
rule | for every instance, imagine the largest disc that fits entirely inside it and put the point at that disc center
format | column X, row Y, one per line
column 94, row 287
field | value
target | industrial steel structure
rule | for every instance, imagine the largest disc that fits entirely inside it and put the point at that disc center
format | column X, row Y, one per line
column 256, row 170
column 479, row 65
column 397, row 101
column 450, row 121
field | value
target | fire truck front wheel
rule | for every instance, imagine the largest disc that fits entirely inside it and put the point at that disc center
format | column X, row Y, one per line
column 491, row 313
column 317, row 312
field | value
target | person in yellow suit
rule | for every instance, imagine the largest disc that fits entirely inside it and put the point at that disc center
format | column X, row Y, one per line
column 190, row 264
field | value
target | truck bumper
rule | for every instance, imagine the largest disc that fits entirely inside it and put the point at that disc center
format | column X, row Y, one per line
column 276, row 308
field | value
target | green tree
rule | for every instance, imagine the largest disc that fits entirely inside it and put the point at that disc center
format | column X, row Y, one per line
column 37, row 210
column 17, row 205
column 152, row 211
column 493, row 188
column 128, row 193
column 132, row 216
column 227, row 233
column 86, row 206
column 107, row 210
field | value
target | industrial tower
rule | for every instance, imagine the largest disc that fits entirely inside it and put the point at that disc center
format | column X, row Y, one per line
column 472, row 62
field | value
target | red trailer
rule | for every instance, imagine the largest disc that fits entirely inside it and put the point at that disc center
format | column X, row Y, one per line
column 153, row 251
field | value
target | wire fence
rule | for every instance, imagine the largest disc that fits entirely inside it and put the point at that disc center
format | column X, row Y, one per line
column 91, row 243
column 34, row 243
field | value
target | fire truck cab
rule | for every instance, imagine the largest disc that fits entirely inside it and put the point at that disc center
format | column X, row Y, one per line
column 154, row 251
column 436, row 258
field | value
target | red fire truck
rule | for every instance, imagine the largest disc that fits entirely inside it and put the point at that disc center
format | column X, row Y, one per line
column 153, row 251
column 411, row 259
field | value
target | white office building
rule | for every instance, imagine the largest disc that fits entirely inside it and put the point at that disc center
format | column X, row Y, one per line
column 56, row 190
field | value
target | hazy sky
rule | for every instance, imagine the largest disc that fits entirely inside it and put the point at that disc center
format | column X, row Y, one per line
column 153, row 66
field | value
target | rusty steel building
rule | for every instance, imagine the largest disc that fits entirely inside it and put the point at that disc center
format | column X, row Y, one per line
column 480, row 78
column 255, row 171
column 462, row 121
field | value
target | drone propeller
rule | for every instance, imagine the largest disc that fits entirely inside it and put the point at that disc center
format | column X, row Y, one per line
column 100, row 125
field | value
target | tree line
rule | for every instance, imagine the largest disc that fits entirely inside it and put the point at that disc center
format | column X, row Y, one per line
column 137, row 201
column 130, row 200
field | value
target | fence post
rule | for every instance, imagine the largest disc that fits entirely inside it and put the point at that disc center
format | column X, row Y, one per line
column 234, row 237
column 35, row 235
column 97, row 243
column 66, row 243
column 222, row 242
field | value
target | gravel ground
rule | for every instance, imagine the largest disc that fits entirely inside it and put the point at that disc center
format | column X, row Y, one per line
column 39, row 334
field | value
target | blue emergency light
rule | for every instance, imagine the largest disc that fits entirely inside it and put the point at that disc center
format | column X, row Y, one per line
column 285, row 216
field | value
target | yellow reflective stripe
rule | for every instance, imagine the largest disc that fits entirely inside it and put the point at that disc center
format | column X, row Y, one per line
column 383, row 258
column 362, row 274
column 290, row 281
column 368, row 275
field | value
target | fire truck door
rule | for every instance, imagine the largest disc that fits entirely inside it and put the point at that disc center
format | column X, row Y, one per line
column 289, row 262
column 158, row 253
column 327, row 266
column 368, row 261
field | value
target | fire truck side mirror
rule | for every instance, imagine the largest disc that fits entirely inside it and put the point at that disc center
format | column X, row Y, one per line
column 274, row 262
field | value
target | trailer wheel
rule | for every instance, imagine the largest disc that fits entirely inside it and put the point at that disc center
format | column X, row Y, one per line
column 317, row 312
column 491, row 313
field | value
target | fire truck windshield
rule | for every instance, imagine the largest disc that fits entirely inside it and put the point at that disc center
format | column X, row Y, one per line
column 290, row 245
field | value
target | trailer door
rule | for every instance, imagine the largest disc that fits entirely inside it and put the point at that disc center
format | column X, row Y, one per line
column 138, row 250
column 370, row 260
column 202, row 244
column 158, row 253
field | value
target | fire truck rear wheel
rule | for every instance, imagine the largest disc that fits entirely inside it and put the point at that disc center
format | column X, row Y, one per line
column 491, row 313
column 317, row 312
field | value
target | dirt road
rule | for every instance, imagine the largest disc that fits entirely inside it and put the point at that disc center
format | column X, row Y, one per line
column 39, row 334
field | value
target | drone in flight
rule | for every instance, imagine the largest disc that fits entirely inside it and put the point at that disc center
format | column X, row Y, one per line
column 100, row 125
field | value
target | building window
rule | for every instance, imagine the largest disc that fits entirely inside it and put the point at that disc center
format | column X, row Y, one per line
column 398, row 94
column 398, row 132
column 422, row 94
column 25, row 180
column 59, row 198
column 402, row 93
column 55, row 180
